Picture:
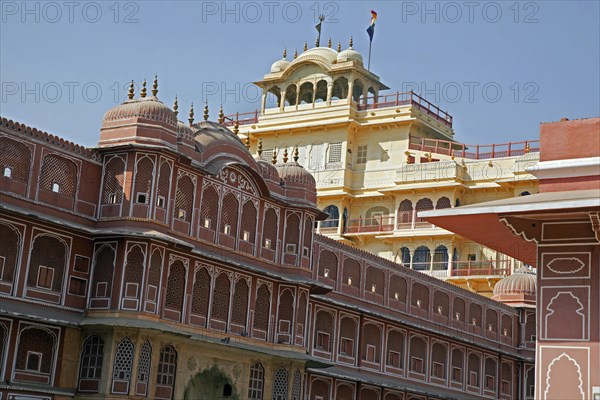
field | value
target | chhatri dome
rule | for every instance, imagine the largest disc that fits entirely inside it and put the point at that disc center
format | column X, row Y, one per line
column 518, row 289
column 349, row 55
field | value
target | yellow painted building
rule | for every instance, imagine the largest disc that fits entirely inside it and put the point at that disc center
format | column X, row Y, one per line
column 379, row 159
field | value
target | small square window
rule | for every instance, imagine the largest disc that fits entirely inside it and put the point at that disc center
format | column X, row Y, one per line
column 361, row 155
column 227, row 229
column 45, row 275
column 290, row 248
column 34, row 361
column 456, row 374
column 55, row 187
column 322, row 341
column 416, row 365
column 246, row 236
column 77, row 286
column 112, row 198
column 471, row 257
column 207, row 223
column 267, row 243
column 81, row 264
column 347, row 347
column 181, row 214
column 489, row 382
column 394, row 359
column 305, row 252
column 142, row 198
column 161, row 202
column 7, row 172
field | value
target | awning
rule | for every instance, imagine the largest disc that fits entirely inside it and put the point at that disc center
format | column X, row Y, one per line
column 481, row 222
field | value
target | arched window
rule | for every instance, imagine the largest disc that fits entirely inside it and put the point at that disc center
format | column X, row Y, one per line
column 122, row 367
column 59, row 175
column 344, row 391
column 154, row 274
column 442, row 202
column 175, row 287
column 507, row 326
column 418, row 354
column 420, row 296
column 320, row 389
column 167, row 367
column 491, row 321
column 405, row 214
column 144, row 173
column 422, row 205
column 301, row 318
column 220, row 303
column 491, row 370
column 351, row 273
column 458, row 309
column 201, row 293
column 340, row 89
column 280, row 384
column 164, row 183
column 507, row 379
column 257, row 382
column 35, row 352
column 371, row 350
column 474, row 366
column 292, row 234
column 308, row 237
column 306, row 93
column 144, row 364
column 333, row 219
column 323, row 331
column 274, row 96
column 439, row 361
column 90, row 369
column 328, row 265
column 10, row 246
column 290, row 95
column 239, row 310
column 357, row 91
column 321, row 92
column 270, row 228
column 347, row 337
column 421, row 259
column 285, row 316
column 103, row 277
column 47, row 263
column 475, row 315
column 229, row 215
column 248, row 228
column 440, row 258
column 457, row 365
column 262, row 311
column 441, row 304
column 395, row 349
column 132, row 279
column 184, row 199
column 405, row 257
column 210, row 208
column 114, row 179
column 15, row 160
column 297, row 385
column 397, row 289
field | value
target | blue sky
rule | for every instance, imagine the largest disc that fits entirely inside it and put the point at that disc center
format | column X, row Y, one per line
column 500, row 68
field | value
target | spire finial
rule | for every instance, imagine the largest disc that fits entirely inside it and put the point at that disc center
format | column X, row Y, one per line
column 274, row 158
column 131, row 93
column 452, row 155
column 236, row 128
column 527, row 148
column 221, row 115
column 329, row 43
column 296, row 156
column 317, row 42
column 143, row 92
column 339, row 49
column 351, row 41
column 285, row 155
column 295, row 54
column 191, row 118
column 259, row 149
column 206, row 110
column 176, row 107
column 305, row 45
column 155, row 86
column 247, row 142
column 284, row 53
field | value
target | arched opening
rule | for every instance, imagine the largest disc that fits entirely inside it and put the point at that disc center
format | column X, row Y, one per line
column 439, row 360
column 397, row 289
column 395, row 349
column 418, row 355
column 421, row 259
column 321, row 93
column 441, row 304
column 210, row 384
column 274, row 96
column 458, row 309
column 443, row 202
column 440, row 258
column 328, row 265
column 323, row 331
column 475, row 315
column 357, row 90
column 351, row 275
column 423, row 205
column 420, row 296
column 333, row 220
column 340, row 89
column 405, row 214
column 291, row 93
column 347, row 337
column 306, row 93
column 371, row 350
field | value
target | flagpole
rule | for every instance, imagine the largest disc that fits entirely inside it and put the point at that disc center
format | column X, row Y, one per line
column 369, row 63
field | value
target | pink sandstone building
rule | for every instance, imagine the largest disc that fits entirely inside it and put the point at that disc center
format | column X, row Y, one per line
column 168, row 263
column 557, row 230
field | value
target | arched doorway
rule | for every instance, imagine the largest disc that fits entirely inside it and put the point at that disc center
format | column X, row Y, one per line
column 210, row 384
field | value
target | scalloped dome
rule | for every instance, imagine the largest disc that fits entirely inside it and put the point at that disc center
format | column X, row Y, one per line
column 184, row 130
column 328, row 54
column 148, row 108
column 279, row 65
column 520, row 287
column 296, row 175
column 349, row 55
column 268, row 171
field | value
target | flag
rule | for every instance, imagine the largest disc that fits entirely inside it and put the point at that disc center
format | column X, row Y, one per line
column 318, row 26
column 371, row 28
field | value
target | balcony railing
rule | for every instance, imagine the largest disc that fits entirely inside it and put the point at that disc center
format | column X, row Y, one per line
column 246, row 118
column 475, row 152
column 407, row 98
column 473, row 268
column 370, row 225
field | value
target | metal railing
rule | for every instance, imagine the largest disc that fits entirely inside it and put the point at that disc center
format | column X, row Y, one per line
column 369, row 225
column 475, row 152
column 472, row 268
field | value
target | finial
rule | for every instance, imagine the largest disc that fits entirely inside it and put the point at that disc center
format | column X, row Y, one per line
column 274, row 158
column 317, row 42
column 295, row 54
column 285, row 155
column 305, row 46
column 155, row 86
column 176, row 107
column 284, row 53
column 130, row 94
column 527, row 148
column 339, row 47
column 407, row 154
column 236, row 128
column 296, row 157
column 221, row 115
column 247, row 141
column 452, row 155
column 329, row 43
column 351, row 41
column 191, row 118
column 206, row 110
column 143, row 92
column 259, row 149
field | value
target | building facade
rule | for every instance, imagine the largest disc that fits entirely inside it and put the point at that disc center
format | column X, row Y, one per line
column 168, row 263
column 378, row 159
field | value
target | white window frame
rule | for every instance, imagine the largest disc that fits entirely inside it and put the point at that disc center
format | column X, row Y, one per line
column 161, row 202
column 137, row 198
column 361, row 154
column 49, row 270
column 7, row 173
column 39, row 366
column 55, row 187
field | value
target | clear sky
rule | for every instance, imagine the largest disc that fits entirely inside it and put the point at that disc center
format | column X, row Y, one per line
column 500, row 67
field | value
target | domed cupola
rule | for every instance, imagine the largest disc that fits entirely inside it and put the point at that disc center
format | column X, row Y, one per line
column 185, row 132
column 349, row 55
column 145, row 120
column 518, row 289
column 267, row 169
column 296, row 177
column 144, row 107
column 280, row 65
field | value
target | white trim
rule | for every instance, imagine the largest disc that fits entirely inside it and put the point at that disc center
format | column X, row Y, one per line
column 569, row 168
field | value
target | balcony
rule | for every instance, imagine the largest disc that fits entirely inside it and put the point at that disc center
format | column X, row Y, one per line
column 476, row 151
column 481, row 268
column 369, row 225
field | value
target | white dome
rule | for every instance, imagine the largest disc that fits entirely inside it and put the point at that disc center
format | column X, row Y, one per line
column 279, row 65
column 349, row 55
column 326, row 53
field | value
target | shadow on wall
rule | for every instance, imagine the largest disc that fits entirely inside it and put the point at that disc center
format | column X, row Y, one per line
column 210, row 384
